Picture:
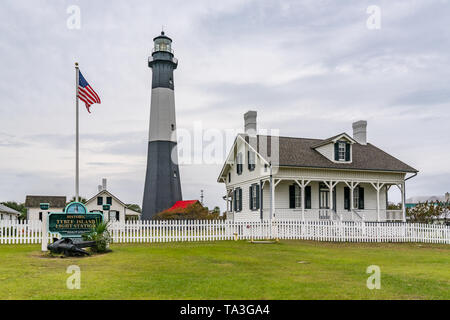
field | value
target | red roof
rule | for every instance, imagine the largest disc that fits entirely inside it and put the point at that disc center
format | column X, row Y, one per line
column 182, row 204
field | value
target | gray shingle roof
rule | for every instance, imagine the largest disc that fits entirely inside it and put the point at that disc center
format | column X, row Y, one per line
column 8, row 210
column 54, row 201
column 299, row 152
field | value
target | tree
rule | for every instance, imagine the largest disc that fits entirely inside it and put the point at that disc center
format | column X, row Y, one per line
column 134, row 207
column 393, row 206
column 80, row 199
column 427, row 212
column 18, row 207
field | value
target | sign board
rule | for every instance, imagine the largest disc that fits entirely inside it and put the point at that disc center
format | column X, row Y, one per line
column 74, row 221
column 44, row 206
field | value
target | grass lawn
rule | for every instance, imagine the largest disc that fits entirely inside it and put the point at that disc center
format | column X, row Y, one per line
column 231, row 270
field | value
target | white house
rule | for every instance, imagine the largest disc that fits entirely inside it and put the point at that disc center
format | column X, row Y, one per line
column 6, row 213
column 118, row 209
column 34, row 212
column 339, row 178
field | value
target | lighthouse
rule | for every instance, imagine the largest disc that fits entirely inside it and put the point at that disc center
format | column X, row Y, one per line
column 162, row 180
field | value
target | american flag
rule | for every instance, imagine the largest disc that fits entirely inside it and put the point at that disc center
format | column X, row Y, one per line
column 86, row 93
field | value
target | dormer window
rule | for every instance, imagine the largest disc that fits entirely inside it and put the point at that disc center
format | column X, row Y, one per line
column 342, row 150
column 342, row 147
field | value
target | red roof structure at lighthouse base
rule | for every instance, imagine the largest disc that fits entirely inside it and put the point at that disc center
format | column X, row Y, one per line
column 182, row 204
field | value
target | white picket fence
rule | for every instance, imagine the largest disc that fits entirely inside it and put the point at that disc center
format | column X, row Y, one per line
column 22, row 232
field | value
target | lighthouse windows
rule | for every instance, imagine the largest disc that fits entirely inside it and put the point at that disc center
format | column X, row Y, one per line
column 174, row 174
column 173, row 127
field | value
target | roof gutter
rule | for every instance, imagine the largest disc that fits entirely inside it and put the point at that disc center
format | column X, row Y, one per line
column 415, row 174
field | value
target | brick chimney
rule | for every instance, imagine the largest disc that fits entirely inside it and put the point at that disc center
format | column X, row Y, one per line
column 250, row 123
column 360, row 131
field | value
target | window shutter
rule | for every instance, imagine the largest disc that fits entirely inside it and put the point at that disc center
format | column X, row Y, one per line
column 248, row 161
column 250, row 202
column 336, row 151
column 234, row 200
column 291, row 196
column 307, row 197
column 346, row 198
column 347, row 151
column 262, row 196
column 240, row 199
column 361, row 198
column 257, row 196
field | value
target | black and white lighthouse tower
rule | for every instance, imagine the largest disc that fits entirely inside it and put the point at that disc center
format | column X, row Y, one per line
column 162, row 181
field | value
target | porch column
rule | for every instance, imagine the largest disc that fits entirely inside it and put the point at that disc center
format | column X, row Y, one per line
column 331, row 196
column 403, row 201
column 331, row 186
column 378, row 187
column 378, row 203
column 302, row 184
column 352, row 185
column 303, row 200
column 272, row 197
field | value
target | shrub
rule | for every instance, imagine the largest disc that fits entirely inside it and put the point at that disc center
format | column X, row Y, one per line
column 428, row 212
column 100, row 235
column 193, row 212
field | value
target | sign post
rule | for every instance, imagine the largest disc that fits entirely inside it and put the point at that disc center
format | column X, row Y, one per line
column 44, row 243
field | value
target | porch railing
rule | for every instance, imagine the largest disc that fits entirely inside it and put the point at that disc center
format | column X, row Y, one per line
column 369, row 215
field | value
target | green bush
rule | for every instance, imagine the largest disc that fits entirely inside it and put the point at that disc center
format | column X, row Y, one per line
column 101, row 236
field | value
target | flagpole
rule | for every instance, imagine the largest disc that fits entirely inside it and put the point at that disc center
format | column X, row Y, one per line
column 77, row 162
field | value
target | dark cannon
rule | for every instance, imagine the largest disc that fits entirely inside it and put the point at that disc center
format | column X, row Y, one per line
column 69, row 248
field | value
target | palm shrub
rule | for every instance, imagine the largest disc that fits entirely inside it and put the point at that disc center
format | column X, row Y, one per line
column 100, row 234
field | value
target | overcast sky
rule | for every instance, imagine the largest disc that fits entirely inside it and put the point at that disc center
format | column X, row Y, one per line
column 310, row 68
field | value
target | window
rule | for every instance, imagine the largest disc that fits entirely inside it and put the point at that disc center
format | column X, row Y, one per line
column 117, row 216
column 109, row 200
column 298, row 197
column 1, row 216
column 174, row 174
column 356, row 197
column 347, row 198
column 239, row 166
column 40, row 216
column 229, row 177
column 99, row 201
column 237, row 199
column 254, row 197
column 251, row 161
column 324, row 197
column 342, row 146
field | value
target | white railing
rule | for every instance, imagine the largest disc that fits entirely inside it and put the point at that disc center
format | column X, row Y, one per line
column 22, row 232
column 394, row 215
